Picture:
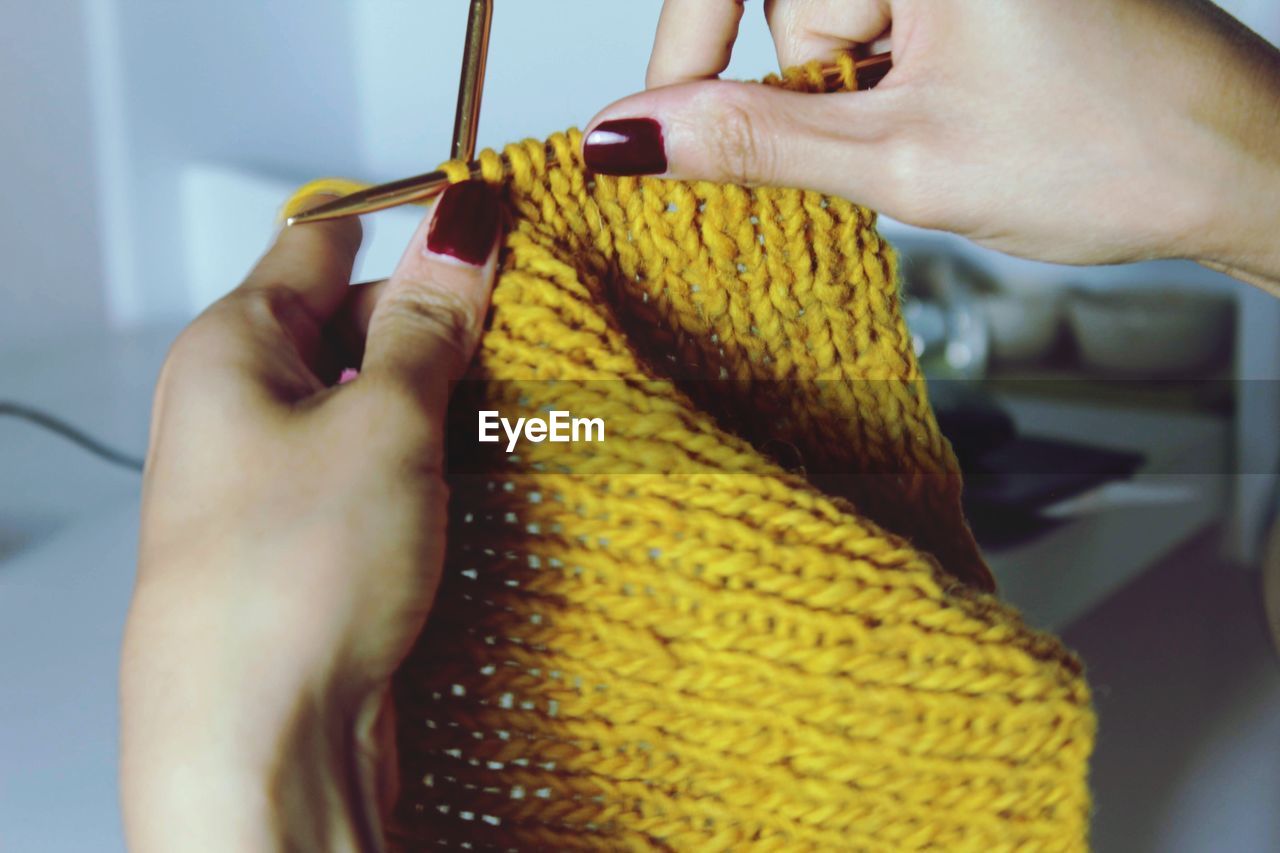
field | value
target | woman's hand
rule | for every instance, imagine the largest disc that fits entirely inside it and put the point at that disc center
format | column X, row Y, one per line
column 292, row 538
column 1091, row 131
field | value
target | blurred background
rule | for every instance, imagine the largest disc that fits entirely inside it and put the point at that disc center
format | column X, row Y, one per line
column 1118, row 425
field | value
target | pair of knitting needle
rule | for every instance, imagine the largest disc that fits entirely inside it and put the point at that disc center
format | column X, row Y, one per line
column 466, row 126
column 870, row 71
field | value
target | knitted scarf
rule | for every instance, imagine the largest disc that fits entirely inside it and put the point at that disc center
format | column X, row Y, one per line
column 753, row 616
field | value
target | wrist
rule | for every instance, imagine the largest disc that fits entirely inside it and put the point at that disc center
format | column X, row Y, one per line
column 1248, row 239
column 1239, row 188
column 233, row 783
column 323, row 782
column 1234, row 168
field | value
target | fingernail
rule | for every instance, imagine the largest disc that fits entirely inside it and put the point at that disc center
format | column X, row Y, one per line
column 627, row 146
column 465, row 224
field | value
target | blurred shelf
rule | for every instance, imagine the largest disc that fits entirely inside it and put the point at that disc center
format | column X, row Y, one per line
column 1213, row 393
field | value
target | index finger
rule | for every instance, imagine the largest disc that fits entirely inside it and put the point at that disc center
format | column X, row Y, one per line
column 262, row 340
column 694, row 40
column 310, row 264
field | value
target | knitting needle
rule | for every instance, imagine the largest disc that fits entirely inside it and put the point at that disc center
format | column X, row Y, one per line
column 466, row 121
column 870, row 71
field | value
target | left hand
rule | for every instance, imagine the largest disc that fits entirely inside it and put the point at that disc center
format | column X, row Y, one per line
column 1029, row 126
column 292, row 538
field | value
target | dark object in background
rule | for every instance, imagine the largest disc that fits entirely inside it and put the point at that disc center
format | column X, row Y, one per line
column 1009, row 478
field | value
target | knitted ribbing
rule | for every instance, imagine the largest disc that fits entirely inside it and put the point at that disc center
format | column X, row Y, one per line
column 723, row 656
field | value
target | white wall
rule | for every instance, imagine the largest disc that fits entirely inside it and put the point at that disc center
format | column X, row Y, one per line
column 1262, row 15
column 49, row 243
column 265, row 87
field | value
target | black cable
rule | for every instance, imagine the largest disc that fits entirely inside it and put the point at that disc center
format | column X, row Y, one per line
column 67, row 431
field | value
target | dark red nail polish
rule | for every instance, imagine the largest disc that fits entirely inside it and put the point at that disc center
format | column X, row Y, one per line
column 627, row 146
column 465, row 225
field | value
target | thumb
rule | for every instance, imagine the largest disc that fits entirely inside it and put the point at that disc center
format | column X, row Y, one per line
column 750, row 134
column 428, row 317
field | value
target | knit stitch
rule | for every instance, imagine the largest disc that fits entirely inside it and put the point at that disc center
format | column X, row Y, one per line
column 723, row 656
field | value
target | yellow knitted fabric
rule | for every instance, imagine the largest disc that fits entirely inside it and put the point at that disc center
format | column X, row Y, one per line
column 668, row 639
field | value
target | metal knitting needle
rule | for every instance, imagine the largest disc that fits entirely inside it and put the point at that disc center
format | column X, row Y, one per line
column 870, row 71
column 466, row 126
column 466, row 121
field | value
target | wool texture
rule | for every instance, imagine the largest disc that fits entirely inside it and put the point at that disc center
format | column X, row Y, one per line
column 684, row 637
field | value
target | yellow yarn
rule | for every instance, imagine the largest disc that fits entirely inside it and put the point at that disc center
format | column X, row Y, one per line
column 724, row 656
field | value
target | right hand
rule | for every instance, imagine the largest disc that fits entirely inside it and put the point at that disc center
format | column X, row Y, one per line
column 1086, row 132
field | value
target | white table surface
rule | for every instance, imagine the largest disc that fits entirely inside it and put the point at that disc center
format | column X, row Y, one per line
column 68, row 529
column 62, row 607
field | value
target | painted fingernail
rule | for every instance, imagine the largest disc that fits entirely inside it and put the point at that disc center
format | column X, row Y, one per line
column 465, row 225
column 627, row 146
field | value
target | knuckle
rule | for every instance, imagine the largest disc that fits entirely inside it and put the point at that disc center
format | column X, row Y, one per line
column 741, row 143
column 654, row 75
column 444, row 316
column 275, row 304
column 186, row 367
column 916, row 196
column 417, row 419
column 180, row 347
column 396, row 402
column 193, row 344
column 171, row 366
column 345, row 235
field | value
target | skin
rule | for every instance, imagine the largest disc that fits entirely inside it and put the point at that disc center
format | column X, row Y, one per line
column 1088, row 132
column 293, row 532
column 292, row 539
